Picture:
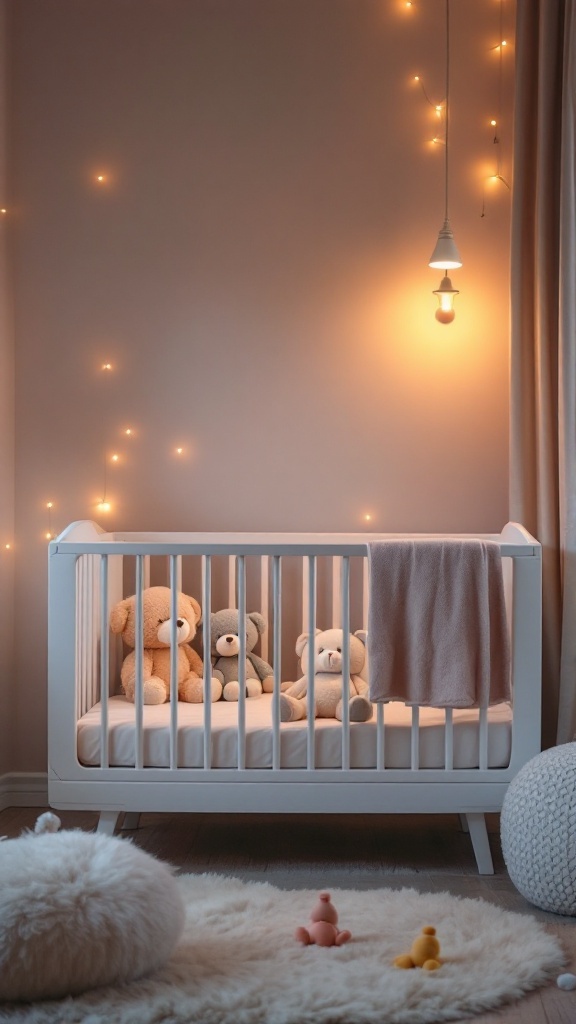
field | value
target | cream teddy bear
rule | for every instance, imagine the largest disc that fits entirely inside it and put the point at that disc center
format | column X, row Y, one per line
column 156, row 655
column 328, row 679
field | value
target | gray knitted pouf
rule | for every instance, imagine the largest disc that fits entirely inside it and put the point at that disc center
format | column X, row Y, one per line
column 538, row 830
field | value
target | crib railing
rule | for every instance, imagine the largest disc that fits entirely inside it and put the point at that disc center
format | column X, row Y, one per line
column 88, row 573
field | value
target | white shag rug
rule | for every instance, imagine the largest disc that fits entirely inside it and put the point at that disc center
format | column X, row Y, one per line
column 238, row 962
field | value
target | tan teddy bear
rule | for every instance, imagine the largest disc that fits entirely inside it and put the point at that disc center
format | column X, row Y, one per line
column 156, row 656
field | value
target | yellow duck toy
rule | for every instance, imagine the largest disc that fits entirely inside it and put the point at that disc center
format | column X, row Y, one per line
column 424, row 952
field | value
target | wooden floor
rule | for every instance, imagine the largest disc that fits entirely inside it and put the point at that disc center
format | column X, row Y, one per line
column 428, row 853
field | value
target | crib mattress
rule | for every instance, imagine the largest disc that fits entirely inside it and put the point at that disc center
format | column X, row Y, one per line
column 293, row 743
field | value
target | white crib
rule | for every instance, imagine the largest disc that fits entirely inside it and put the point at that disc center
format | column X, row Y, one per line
column 119, row 758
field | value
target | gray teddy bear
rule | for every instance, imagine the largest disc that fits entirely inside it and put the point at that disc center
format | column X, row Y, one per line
column 225, row 646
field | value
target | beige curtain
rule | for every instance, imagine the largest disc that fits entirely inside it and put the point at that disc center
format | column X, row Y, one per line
column 543, row 326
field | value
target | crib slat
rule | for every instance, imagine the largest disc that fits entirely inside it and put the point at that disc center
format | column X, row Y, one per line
column 173, row 662
column 241, row 570
column 380, row 738
column 85, row 596
column 231, row 581
column 305, row 594
column 337, row 620
column 94, row 629
column 449, row 740
column 277, row 640
column 140, row 571
column 104, row 664
column 206, row 643
column 344, row 575
column 483, row 738
column 310, row 668
column 264, row 601
column 414, row 739
column 365, row 591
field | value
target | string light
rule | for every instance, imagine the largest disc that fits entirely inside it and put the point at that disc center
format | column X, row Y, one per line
column 128, row 432
column 179, row 451
column 368, row 517
column 107, row 366
column 115, row 458
column 3, row 210
column 49, row 532
column 497, row 176
column 8, row 547
column 103, row 505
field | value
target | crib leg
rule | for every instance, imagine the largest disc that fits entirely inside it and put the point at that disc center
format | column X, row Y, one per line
column 479, row 836
column 463, row 823
column 131, row 820
column 107, row 822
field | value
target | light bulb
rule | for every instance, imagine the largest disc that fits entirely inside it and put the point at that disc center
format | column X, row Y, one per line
column 48, row 536
column 493, row 122
column 115, row 458
column 8, row 547
column 104, row 506
column 107, row 366
column 49, row 504
column 128, row 432
column 367, row 517
column 179, row 451
column 445, row 312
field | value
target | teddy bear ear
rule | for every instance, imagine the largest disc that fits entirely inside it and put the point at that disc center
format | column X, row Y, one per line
column 197, row 609
column 258, row 620
column 119, row 615
column 362, row 635
column 301, row 643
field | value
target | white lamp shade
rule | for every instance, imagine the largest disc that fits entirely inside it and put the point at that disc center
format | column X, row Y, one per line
column 445, row 255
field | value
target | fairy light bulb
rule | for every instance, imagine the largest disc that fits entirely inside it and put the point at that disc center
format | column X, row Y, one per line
column 368, row 517
column 48, row 535
column 104, row 506
column 115, row 458
column 49, row 504
column 446, row 293
column 8, row 547
column 107, row 366
column 128, row 432
column 179, row 451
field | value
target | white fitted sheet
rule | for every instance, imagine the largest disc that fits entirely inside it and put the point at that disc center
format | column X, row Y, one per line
column 328, row 737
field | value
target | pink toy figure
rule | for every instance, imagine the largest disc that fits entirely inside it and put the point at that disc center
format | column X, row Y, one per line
column 323, row 922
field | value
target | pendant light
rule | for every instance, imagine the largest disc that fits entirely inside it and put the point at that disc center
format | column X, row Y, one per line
column 446, row 256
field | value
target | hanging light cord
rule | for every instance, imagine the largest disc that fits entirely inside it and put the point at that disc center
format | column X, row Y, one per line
column 447, row 106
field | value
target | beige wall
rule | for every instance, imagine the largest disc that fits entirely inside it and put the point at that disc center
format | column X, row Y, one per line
column 7, row 665
column 255, row 269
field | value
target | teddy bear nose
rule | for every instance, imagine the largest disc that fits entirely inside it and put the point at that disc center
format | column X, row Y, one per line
column 229, row 639
column 179, row 623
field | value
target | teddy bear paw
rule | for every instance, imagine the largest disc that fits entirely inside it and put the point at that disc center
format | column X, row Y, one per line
column 192, row 690
column 155, row 691
column 290, row 709
column 360, row 709
column 231, row 691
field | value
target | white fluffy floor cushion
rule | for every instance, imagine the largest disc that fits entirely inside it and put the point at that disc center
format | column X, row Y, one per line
column 79, row 910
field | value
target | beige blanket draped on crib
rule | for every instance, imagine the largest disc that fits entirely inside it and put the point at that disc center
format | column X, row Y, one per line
column 437, row 630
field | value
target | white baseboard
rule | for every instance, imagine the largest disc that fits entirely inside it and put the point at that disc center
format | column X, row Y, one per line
column 23, row 789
